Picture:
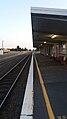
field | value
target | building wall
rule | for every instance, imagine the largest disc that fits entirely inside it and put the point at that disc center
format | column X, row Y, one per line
column 44, row 50
column 56, row 50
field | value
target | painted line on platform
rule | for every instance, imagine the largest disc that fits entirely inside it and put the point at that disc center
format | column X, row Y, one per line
column 47, row 101
column 27, row 107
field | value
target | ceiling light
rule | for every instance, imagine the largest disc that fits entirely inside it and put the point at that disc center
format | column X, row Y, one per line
column 44, row 42
column 53, row 36
column 64, row 46
column 41, row 44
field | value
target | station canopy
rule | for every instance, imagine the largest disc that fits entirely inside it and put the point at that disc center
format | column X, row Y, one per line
column 49, row 26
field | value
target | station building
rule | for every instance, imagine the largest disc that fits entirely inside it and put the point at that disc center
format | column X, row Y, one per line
column 49, row 30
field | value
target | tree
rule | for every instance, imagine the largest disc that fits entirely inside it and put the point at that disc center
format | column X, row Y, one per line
column 18, row 48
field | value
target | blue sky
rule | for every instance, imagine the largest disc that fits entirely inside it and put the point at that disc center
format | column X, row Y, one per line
column 15, row 20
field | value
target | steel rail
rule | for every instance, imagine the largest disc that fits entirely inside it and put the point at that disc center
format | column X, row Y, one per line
column 15, row 79
column 8, row 59
column 4, row 60
column 13, row 67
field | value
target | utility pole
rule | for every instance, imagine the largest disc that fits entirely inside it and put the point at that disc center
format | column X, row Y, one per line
column 2, row 44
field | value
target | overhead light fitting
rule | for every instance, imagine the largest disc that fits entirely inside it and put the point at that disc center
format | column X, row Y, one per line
column 41, row 44
column 44, row 42
column 53, row 36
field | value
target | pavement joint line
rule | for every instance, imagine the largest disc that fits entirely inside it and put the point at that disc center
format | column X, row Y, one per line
column 47, row 101
column 27, row 107
column 59, row 117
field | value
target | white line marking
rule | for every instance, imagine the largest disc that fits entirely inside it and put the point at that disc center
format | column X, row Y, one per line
column 27, row 107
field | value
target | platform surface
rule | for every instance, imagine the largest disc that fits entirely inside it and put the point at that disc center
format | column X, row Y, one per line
column 55, row 79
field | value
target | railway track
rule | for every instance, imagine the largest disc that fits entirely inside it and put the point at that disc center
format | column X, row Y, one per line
column 9, row 63
column 10, row 58
column 8, row 80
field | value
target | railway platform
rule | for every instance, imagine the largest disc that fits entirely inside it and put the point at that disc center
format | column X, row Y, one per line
column 39, row 93
column 45, row 95
column 50, row 87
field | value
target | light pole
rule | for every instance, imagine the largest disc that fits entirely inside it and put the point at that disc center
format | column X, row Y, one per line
column 2, row 45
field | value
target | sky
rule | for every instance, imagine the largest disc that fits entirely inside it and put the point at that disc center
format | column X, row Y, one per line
column 15, row 20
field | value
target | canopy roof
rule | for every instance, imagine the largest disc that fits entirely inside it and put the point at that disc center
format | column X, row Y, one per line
column 48, row 25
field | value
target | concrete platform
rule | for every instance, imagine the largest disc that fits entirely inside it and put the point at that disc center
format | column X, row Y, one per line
column 27, row 107
column 39, row 110
column 55, row 79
